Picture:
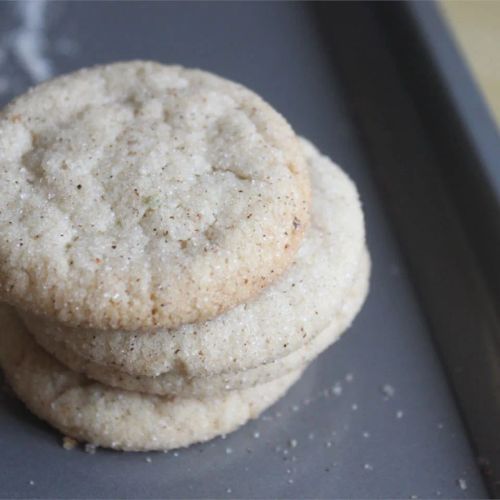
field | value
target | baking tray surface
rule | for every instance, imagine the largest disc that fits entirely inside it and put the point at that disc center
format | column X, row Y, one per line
column 373, row 416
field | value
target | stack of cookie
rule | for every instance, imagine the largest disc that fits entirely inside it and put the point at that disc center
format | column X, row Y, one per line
column 172, row 254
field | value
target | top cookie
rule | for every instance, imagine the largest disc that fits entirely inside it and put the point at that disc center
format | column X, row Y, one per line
column 138, row 195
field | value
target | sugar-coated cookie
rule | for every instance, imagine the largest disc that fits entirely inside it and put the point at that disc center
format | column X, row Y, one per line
column 138, row 195
column 123, row 420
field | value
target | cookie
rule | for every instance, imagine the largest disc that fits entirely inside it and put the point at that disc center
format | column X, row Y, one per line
column 123, row 420
column 284, row 317
column 136, row 196
column 181, row 385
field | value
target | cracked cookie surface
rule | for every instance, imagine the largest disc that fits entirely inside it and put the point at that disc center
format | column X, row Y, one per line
column 138, row 196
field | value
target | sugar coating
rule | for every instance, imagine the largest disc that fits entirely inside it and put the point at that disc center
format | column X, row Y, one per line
column 123, row 420
column 178, row 384
column 277, row 322
column 138, row 195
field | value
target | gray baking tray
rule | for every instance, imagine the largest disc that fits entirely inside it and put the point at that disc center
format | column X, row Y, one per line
column 384, row 412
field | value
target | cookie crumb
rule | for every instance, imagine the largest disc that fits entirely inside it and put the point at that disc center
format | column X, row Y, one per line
column 90, row 448
column 69, row 443
column 388, row 391
column 337, row 389
column 462, row 483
